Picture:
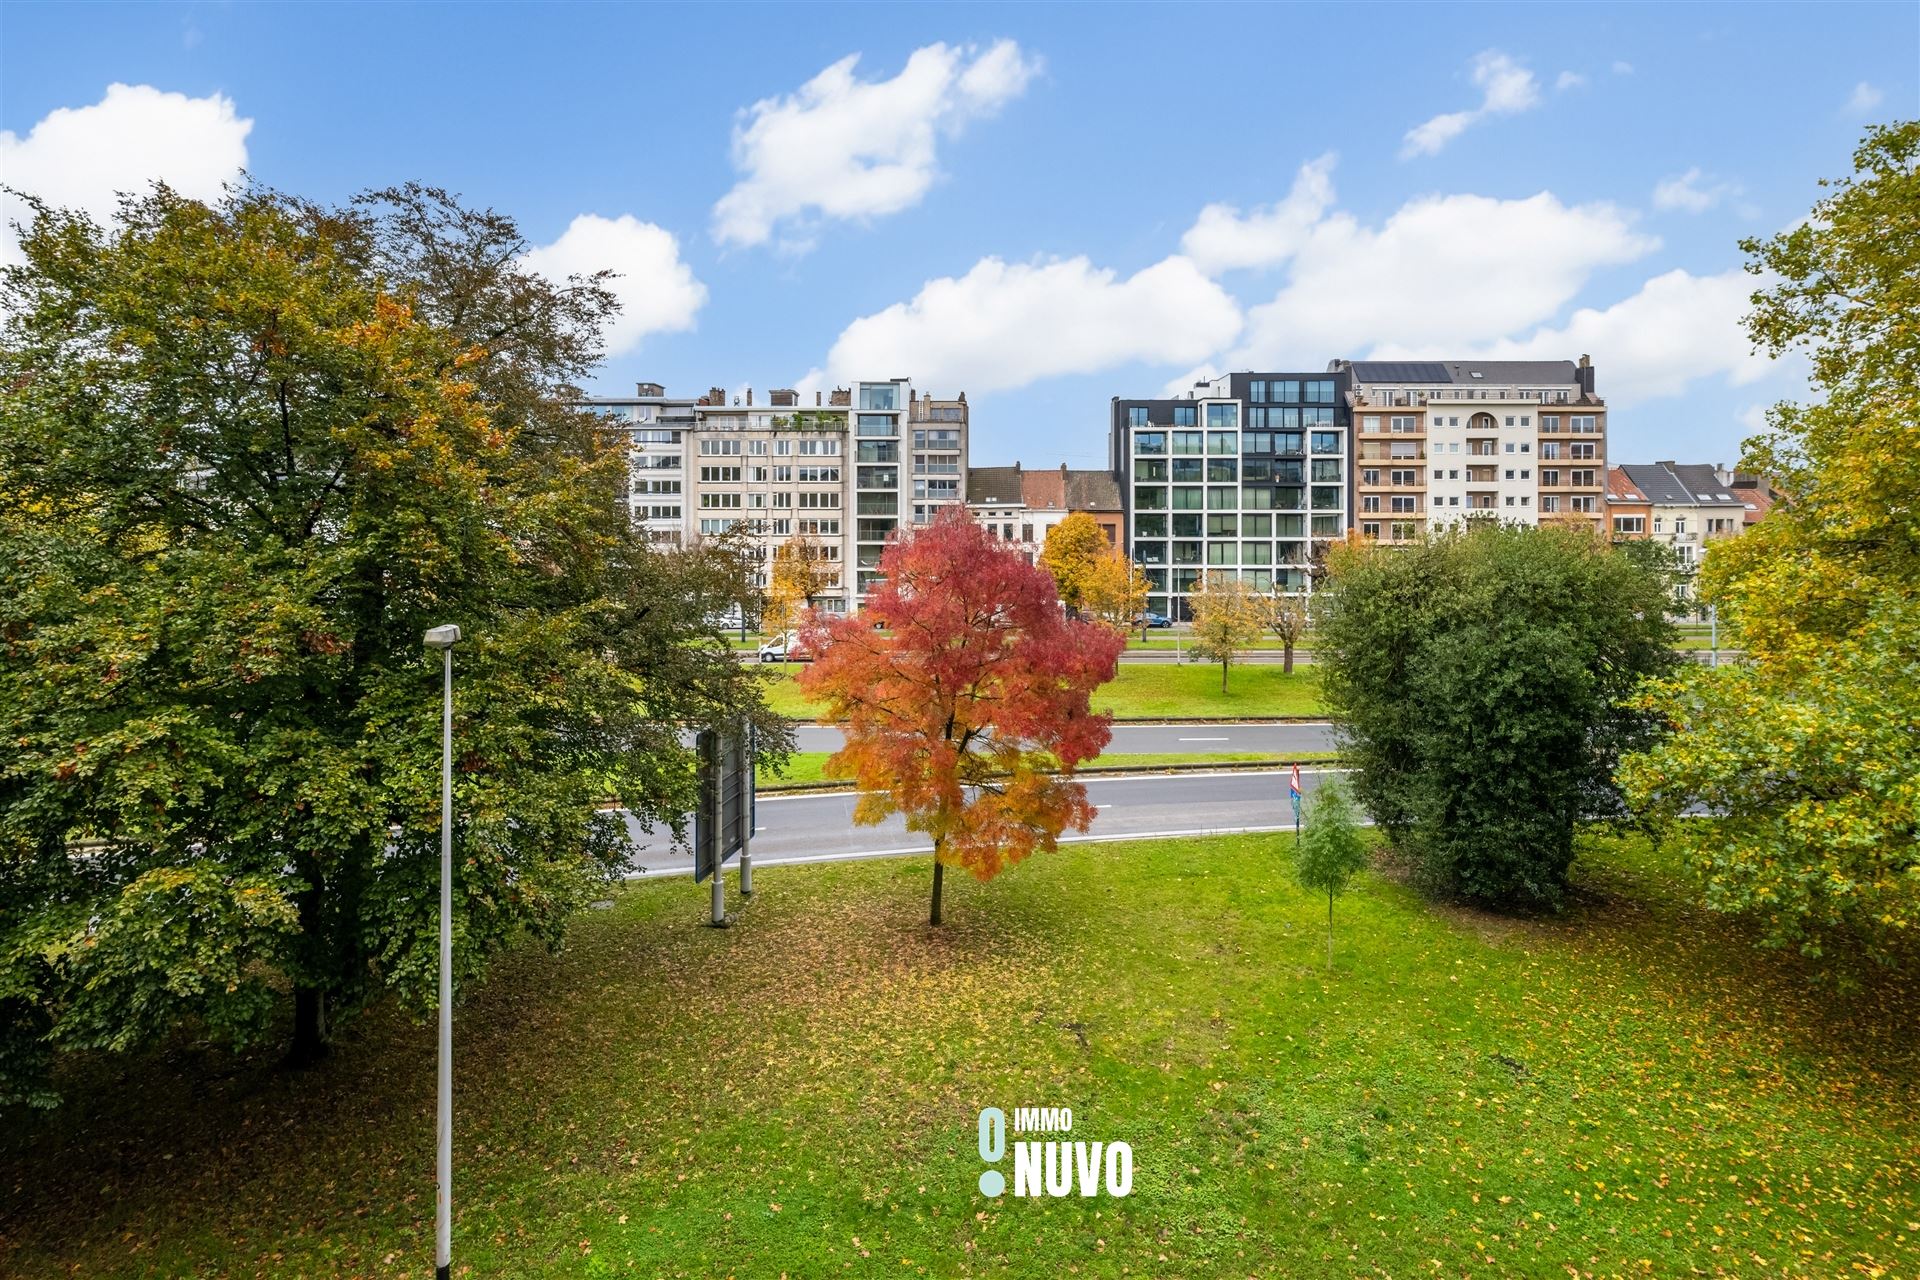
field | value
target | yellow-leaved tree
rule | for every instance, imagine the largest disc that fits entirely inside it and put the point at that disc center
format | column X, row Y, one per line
column 1073, row 549
column 1807, row 755
column 800, row 572
column 1228, row 616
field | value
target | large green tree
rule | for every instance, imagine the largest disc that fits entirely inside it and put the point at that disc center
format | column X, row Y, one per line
column 1476, row 682
column 249, row 451
column 1808, row 756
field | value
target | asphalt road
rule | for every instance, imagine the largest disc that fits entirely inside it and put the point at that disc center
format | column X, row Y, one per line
column 1252, row 657
column 819, row 827
column 1279, row 740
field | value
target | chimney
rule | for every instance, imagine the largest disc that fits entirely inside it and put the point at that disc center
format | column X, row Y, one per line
column 749, row 397
column 1584, row 374
column 816, row 399
column 716, row 395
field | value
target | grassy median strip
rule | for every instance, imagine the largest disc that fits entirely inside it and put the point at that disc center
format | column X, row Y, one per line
column 807, row 769
column 1141, row 692
column 1631, row 1089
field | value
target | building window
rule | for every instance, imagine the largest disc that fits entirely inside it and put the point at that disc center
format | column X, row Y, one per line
column 1257, row 390
column 879, row 395
column 1137, row 415
column 1318, row 391
column 1187, row 441
column 1226, row 416
column 1184, row 415
column 1287, row 389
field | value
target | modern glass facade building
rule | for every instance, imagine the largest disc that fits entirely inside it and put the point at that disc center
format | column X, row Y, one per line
column 1240, row 476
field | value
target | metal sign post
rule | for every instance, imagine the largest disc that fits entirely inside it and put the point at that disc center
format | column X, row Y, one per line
column 723, row 822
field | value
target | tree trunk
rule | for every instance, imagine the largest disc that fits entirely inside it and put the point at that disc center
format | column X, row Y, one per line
column 1287, row 667
column 1329, row 929
column 1223, row 675
column 939, row 872
column 309, row 1027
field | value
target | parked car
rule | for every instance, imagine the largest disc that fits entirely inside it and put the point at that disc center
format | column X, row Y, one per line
column 783, row 647
column 1153, row 620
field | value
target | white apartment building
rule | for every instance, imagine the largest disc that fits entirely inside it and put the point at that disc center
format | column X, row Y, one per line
column 850, row 469
column 1437, row 442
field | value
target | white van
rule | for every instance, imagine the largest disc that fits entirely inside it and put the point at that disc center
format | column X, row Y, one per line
column 777, row 646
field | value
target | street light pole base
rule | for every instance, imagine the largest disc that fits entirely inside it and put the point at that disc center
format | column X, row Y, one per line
column 440, row 1272
column 724, row 922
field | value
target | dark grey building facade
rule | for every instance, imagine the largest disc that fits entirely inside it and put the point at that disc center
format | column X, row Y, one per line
column 1241, row 475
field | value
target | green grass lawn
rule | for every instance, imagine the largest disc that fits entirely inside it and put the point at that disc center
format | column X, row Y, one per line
column 1630, row 1090
column 808, row 767
column 1149, row 693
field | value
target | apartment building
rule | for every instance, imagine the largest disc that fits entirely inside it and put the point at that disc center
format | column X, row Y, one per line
column 1241, row 475
column 1439, row 441
column 1689, row 506
column 1019, row 506
column 849, row 469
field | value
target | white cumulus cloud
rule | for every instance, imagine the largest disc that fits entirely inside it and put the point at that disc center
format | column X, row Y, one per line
column 846, row 148
column 1569, row 80
column 1441, row 272
column 1506, row 88
column 1692, row 192
column 1007, row 324
column 1221, row 239
column 84, row 157
column 1677, row 328
column 658, row 292
column 1865, row 97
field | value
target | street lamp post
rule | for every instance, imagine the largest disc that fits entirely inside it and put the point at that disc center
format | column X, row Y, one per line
column 443, row 639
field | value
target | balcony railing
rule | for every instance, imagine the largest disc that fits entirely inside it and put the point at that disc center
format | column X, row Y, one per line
column 1370, row 399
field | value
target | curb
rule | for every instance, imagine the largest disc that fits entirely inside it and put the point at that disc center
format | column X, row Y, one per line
column 1118, row 771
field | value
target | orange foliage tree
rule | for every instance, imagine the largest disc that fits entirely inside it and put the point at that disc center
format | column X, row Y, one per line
column 968, row 709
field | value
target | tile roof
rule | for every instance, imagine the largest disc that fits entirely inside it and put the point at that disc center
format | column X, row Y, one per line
column 1620, row 487
column 1682, row 484
column 994, row 486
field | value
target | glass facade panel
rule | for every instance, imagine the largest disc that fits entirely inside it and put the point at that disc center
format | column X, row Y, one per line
column 1188, row 471
column 1186, row 415
column 1150, row 526
column 1221, row 416
column 1186, row 499
column 1151, row 498
column 1187, row 552
column 882, row 395
column 1223, row 442
column 1221, row 553
column 1149, row 442
column 1223, row 526
column 1223, row 469
column 1186, row 526
column 1186, row 441
column 1326, row 442
column 1223, row 497
column 1287, row 389
column 1256, row 553
column 1150, row 469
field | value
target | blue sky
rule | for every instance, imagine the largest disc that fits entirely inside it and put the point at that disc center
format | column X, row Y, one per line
column 1043, row 206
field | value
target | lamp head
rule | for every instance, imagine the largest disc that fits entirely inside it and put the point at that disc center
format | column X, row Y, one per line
column 441, row 637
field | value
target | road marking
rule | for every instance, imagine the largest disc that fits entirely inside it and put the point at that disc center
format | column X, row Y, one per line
column 1096, row 780
column 1203, row 739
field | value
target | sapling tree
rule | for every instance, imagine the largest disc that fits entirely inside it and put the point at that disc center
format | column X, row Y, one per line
column 1331, row 849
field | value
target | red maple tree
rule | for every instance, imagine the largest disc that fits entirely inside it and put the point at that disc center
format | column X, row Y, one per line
column 968, row 709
